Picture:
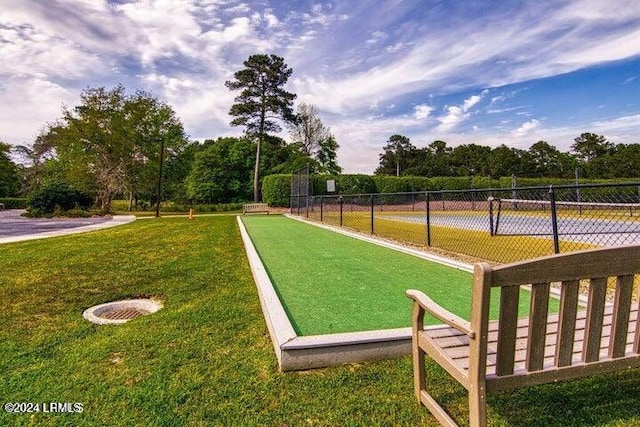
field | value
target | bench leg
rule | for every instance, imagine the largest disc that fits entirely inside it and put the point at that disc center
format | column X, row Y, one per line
column 419, row 386
column 478, row 406
column 419, row 382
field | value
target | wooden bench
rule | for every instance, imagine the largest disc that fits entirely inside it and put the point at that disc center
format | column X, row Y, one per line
column 255, row 208
column 582, row 339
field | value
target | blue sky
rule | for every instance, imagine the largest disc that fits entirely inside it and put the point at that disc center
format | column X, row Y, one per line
column 485, row 72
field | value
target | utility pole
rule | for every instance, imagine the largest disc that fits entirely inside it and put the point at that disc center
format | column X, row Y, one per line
column 160, row 178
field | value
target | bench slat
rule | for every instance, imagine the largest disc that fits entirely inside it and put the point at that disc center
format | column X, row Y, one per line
column 537, row 326
column 621, row 311
column 579, row 265
column 568, row 316
column 455, row 345
column 595, row 314
column 509, row 297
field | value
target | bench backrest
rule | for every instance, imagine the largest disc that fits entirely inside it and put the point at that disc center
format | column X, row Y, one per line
column 255, row 207
column 593, row 269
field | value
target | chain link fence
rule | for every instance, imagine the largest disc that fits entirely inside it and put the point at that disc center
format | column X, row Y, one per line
column 300, row 191
column 501, row 225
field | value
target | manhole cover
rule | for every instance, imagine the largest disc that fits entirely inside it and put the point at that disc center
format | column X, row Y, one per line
column 124, row 313
column 118, row 312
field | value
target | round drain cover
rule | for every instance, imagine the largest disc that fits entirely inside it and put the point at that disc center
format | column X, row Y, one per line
column 123, row 313
column 119, row 312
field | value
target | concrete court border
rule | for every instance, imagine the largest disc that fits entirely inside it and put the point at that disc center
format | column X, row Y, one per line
column 317, row 351
column 115, row 221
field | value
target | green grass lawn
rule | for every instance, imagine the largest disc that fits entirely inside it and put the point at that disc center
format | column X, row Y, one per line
column 206, row 358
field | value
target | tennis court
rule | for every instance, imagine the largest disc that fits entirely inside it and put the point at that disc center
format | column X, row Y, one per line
column 331, row 283
column 610, row 225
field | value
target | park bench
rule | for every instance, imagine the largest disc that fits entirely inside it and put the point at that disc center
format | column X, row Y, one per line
column 588, row 336
column 255, row 208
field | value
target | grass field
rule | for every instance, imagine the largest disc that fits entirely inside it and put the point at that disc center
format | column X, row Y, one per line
column 206, row 358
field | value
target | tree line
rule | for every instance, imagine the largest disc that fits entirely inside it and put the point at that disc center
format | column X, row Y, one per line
column 134, row 146
column 591, row 156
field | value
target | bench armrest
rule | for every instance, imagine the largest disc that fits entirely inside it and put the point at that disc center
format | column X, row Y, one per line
column 440, row 313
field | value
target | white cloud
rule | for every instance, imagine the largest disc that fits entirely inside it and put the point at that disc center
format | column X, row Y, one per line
column 272, row 20
column 456, row 114
column 422, row 111
column 377, row 37
column 28, row 104
column 527, row 128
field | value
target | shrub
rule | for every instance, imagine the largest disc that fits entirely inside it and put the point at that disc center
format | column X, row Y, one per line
column 355, row 184
column 14, row 202
column 401, row 184
column 276, row 190
column 59, row 196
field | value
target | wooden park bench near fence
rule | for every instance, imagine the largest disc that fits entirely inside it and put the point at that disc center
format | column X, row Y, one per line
column 255, row 208
column 580, row 340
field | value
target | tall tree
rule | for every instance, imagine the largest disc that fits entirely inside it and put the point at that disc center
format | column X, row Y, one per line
column 9, row 180
column 221, row 171
column 327, row 156
column 544, row 159
column 504, row 161
column 308, row 130
column 471, row 159
column 396, row 155
column 31, row 166
column 588, row 146
column 111, row 142
column 262, row 101
column 440, row 159
column 625, row 161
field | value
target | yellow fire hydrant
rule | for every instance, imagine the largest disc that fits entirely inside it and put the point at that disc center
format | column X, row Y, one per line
column 192, row 214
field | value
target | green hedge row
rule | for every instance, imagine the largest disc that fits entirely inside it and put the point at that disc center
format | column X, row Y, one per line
column 276, row 189
column 14, row 202
column 122, row 207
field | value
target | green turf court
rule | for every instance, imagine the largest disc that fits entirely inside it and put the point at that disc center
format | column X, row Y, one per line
column 331, row 283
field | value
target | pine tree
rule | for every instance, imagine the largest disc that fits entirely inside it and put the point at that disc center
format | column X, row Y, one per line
column 262, row 101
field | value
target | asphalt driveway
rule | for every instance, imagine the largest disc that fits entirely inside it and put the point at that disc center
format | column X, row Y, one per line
column 14, row 227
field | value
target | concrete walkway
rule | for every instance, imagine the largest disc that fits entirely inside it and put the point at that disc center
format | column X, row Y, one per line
column 16, row 228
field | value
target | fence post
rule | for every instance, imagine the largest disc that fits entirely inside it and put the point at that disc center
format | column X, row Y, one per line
column 341, row 203
column 372, row 206
column 321, row 209
column 491, row 216
column 554, row 220
column 428, row 196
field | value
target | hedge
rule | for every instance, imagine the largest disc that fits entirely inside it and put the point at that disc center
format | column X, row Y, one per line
column 14, row 202
column 276, row 189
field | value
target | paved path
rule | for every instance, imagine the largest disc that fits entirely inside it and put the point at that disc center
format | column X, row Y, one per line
column 16, row 228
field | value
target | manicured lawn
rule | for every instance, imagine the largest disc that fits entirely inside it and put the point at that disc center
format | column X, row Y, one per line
column 206, row 358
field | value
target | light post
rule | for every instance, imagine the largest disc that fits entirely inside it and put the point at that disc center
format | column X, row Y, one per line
column 160, row 178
